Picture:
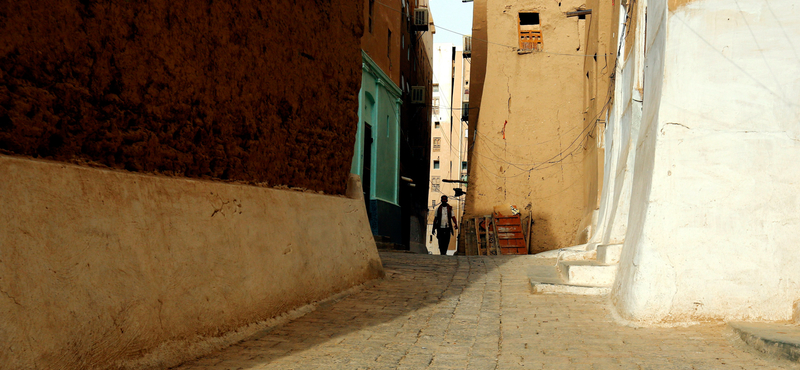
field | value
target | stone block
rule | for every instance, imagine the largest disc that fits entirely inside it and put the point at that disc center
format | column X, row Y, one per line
column 609, row 254
column 587, row 273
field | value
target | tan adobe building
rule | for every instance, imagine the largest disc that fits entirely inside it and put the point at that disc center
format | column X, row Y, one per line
column 530, row 145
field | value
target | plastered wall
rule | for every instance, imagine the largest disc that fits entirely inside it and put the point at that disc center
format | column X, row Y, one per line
column 712, row 228
column 99, row 267
column 528, row 137
column 600, row 66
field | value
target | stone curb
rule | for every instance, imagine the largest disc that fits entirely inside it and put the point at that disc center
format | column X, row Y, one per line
column 775, row 340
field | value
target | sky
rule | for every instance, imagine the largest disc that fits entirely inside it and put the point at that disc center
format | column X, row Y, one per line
column 453, row 15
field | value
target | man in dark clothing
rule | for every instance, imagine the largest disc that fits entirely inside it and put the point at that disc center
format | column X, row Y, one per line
column 444, row 222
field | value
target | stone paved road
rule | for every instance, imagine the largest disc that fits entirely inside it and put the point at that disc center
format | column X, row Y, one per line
column 434, row 312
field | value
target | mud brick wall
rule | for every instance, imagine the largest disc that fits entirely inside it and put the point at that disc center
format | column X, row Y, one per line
column 243, row 90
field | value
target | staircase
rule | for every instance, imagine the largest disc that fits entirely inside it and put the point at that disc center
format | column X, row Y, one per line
column 578, row 270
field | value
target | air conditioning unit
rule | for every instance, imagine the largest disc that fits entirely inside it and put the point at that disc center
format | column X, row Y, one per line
column 467, row 46
column 421, row 19
column 417, row 94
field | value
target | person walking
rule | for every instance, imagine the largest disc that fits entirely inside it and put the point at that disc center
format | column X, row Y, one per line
column 444, row 222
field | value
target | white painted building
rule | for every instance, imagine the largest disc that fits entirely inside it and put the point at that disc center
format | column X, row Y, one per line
column 701, row 164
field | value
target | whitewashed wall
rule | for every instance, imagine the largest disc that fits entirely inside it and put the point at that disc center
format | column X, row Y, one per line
column 714, row 219
column 620, row 139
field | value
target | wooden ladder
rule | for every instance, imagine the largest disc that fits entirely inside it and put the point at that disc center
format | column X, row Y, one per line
column 485, row 232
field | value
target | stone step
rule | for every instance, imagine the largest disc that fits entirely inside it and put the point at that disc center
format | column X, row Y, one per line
column 775, row 340
column 581, row 252
column 609, row 254
column 587, row 273
column 547, row 288
column 547, row 279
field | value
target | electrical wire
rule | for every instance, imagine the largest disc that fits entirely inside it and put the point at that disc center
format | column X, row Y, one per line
column 554, row 160
column 561, row 156
column 516, row 48
column 564, row 154
column 487, row 41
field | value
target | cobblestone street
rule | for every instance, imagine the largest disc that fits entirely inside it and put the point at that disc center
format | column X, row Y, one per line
column 434, row 312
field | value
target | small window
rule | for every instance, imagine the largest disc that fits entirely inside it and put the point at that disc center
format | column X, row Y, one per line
column 463, row 165
column 436, row 184
column 436, row 164
column 437, row 145
column 389, row 44
column 530, row 32
column 437, row 124
column 528, row 19
column 371, row 12
column 435, row 88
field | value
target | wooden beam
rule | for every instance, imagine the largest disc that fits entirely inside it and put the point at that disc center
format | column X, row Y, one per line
column 579, row 12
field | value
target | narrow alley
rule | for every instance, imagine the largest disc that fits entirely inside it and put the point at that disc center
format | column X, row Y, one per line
column 476, row 313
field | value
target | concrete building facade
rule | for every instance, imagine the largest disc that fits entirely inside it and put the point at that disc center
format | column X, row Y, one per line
column 448, row 144
column 529, row 134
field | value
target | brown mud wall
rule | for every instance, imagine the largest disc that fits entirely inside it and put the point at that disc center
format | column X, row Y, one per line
column 114, row 270
column 251, row 91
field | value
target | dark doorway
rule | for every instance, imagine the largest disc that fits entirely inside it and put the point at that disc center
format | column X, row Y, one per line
column 366, row 167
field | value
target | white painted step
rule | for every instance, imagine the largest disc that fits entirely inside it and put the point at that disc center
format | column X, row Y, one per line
column 546, row 288
column 546, row 279
column 581, row 252
column 587, row 273
column 609, row 254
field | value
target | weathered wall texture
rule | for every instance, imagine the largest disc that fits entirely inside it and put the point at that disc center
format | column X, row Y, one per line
column 383, row 48
column 600, row 70
column 477, row 72
column 531, row 135
column 712, row 227
column 98, row 267
column 253, row 91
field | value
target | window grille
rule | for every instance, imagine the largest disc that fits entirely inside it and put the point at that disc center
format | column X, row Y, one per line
column 530, row 32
